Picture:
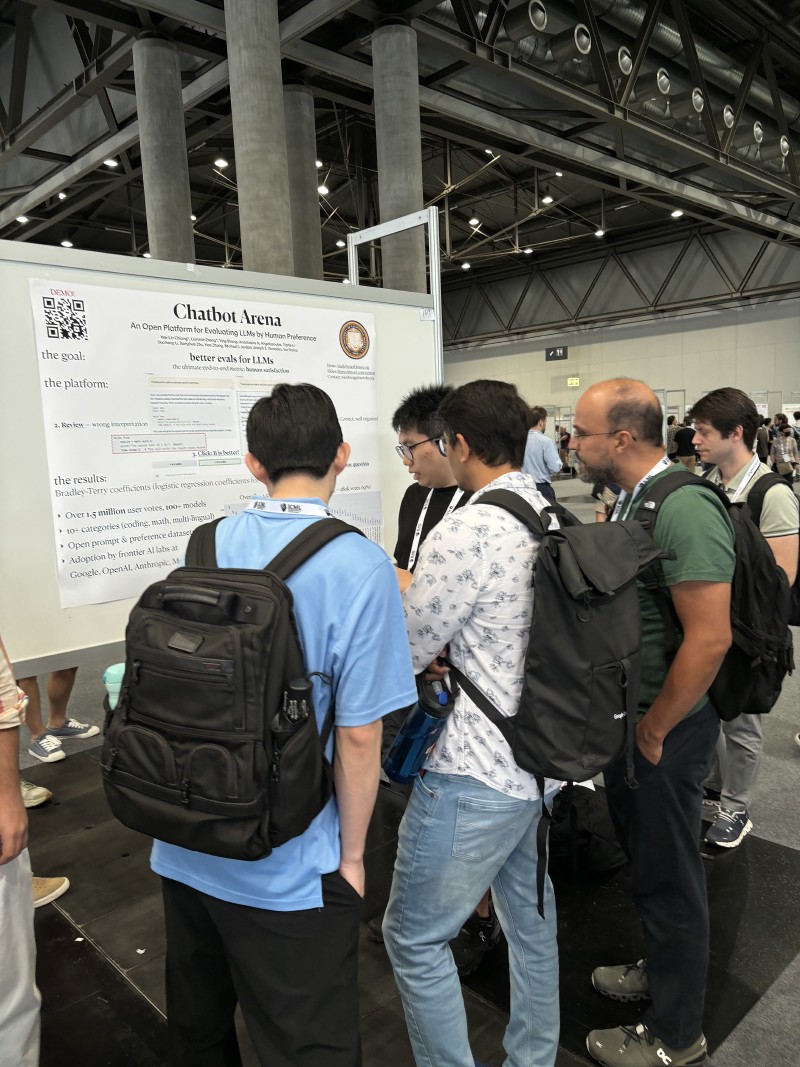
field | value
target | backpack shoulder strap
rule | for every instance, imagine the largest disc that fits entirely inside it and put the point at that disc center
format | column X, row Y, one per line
column 201, row 550
column 755, row 498
column 517, row 506
column 306, row 544
column 503, row 724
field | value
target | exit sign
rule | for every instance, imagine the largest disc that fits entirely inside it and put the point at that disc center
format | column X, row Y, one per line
column 573, row 383
column 551, row 354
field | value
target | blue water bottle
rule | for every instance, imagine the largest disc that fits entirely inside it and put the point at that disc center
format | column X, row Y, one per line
column 112, row 680
column 419, row 732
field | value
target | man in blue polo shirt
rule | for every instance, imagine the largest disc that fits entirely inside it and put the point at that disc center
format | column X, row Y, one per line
column 280, row 935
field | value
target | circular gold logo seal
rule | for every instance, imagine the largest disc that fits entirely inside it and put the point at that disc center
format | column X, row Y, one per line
column 354, row 340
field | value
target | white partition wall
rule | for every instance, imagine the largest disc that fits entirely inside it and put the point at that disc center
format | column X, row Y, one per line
column 126, row 387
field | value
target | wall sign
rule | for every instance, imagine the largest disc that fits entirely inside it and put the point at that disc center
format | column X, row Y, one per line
column 573, row 383
column 551, row 354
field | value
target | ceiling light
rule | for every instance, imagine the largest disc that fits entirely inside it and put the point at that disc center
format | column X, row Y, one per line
column 22, row 219
column 676, row 214
column 547, row 199
column 488, row 151
column 66, row 244
column 193, row 218
column 599, row 232
column 319, row 164
column 559, row 174
column 220, row 163
column 323, row 190
column 111, row 162
column 474, row 221
column 340, row 243
column 527, row 251
column 146, row 255
column 345, row 281
column 465, row 266
column 62, row 196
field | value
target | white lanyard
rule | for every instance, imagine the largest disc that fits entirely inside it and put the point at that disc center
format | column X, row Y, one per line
column 289, row 507
column 412, row 556
column 663, row 464
column 755, row 463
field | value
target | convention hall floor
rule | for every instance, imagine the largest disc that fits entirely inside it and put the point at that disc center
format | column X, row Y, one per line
column 101, row 945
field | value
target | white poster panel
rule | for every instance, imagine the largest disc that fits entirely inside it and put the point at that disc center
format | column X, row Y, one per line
column 145, row 398
column 762, row 409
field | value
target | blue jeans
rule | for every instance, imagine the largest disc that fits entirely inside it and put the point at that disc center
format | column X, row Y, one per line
column 456, row 838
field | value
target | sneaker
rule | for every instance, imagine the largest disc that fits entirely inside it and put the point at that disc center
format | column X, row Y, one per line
column 73, row 728
column 635, row 1046
column 729, row 828
column 711, row 803
column 47, row 749
column 475, row 938
column 797, row 739
column 33, row 795
column 375, row 929
column 47, row 889
column 622, row 983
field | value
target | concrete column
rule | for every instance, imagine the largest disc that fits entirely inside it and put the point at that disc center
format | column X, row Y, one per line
column 301, row 151
column 259, row 135
column 399, row 149
column 162, row 140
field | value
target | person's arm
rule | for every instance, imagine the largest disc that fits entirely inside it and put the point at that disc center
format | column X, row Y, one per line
column 356, row 768
column 703, row 610
column 551, row 457
column 785, row 550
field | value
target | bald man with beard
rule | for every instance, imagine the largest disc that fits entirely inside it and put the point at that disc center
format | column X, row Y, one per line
column 617, row 436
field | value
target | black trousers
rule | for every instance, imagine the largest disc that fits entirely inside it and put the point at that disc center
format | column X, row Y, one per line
column 658, row 825
column 547, row 490
column 295, row 975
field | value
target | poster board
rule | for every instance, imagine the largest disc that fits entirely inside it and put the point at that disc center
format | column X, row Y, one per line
column 44, row 616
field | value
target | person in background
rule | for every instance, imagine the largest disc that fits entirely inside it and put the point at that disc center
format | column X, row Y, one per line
column 784, row 454
column 563, row 441
column 726, row 423
column 762, row 440
column 672, row 448
column 541, row 457
column 684, row 449
column 46, row 740
column 796, row 425
column 19, row 997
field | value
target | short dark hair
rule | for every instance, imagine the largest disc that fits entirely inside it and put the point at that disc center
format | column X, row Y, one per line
column 294, row 430
column 419, row 410
column 537, row 414
column 629, row 410
column 492, row 418
column 796, row 415
column 670, row 420
column 726, row 409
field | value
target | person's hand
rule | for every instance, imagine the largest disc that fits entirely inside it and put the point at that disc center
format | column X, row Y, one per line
column 354, row 874
column 404, row 578
column 650, row 746
column 437, row 669
column 13, row 828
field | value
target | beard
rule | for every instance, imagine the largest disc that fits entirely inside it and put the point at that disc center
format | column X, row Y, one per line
column 591, row 475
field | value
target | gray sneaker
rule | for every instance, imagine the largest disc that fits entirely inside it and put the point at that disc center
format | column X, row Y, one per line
column 73, row 728
column 729, row 828
column 47, row 749
column 636, row 1046
column 710, row 804
column 627, row 982
column 33, row 795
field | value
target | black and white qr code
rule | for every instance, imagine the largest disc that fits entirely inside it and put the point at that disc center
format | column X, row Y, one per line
column 65, row 318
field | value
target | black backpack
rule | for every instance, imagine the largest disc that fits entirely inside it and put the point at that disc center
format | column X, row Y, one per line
column 754, row 503
column 760, row 656
column 214, row 744
column 583, row 841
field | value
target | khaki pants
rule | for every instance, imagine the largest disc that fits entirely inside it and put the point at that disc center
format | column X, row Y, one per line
column 688, row 462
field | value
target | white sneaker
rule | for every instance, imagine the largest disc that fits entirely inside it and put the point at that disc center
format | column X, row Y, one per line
column 33, row 795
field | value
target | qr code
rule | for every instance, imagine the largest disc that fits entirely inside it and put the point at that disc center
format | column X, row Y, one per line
column 65, row 318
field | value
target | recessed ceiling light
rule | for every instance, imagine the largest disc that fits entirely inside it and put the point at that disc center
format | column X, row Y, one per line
column 193, row 218
column 146, row 255
column 221, row 163
column 676, row 214
column 559, row 174
column 340, row 243
column 474, row 221
column 319, row 164
column 345, row 281
column 465, row 266
column 22, row 219
column 527, row 251
column 62, row 196
column 547, row 199
column 599, row 232
column 323, row 190
column 66, row 244
column 111, row 162
column 488, row 151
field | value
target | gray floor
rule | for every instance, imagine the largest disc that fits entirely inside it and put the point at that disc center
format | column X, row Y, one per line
column 766, row 1036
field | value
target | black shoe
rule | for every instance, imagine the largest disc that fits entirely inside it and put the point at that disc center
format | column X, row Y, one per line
column 374, row 931
column 475, row 938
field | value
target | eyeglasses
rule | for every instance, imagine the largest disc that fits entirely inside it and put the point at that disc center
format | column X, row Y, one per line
column 441, row 444
column 407, row 451
column 602, row 433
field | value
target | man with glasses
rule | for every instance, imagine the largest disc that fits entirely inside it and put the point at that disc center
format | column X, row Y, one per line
column 618, row 438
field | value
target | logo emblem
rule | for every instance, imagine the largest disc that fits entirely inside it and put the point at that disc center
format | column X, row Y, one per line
column 354, row 340
column 664, row 1057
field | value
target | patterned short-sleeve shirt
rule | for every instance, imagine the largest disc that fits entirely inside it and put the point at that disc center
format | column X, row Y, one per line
column 473, row 590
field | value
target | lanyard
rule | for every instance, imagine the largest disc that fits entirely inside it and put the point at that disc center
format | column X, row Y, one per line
column 412, row 556
column 289, row 507
column 663, row 464
column 755, row 463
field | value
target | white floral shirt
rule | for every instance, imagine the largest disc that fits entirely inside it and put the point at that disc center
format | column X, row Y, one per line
column 473, row 590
